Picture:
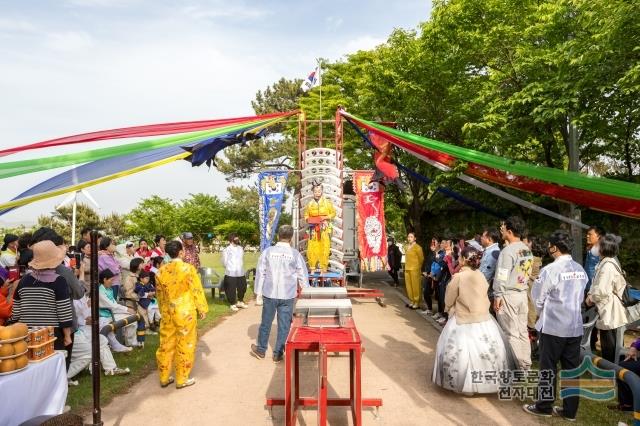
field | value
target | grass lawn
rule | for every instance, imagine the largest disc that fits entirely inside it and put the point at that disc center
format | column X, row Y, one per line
column 590, row 412
column 143, row 362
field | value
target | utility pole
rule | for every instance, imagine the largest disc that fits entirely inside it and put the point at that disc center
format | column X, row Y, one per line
column 575, row 213
column 320, row 84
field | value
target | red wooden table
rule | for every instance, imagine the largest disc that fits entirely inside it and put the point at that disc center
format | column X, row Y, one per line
column 322, row 335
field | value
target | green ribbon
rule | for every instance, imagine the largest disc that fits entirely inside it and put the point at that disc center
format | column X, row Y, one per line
column 561, row 177
column 16, row 168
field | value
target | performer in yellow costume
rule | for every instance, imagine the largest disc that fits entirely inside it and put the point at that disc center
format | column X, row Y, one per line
column 414, row 257
column 319, row 213
column 181, row 300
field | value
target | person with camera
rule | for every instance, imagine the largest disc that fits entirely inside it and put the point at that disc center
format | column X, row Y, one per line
column 510, row 289
column 85, row 254
column 7, row 287
column 9, row 251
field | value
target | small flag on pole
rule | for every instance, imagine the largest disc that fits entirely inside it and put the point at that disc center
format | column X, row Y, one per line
column 311, row 81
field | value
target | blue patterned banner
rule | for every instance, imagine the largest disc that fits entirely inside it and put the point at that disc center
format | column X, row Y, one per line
column 271, row 188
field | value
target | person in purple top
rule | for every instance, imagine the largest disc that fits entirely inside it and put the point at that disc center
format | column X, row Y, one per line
column 107, row 260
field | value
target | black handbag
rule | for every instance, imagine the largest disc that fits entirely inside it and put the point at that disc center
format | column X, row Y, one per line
column 626, row 299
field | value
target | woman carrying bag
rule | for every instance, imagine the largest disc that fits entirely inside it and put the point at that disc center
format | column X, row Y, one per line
column 606, row 294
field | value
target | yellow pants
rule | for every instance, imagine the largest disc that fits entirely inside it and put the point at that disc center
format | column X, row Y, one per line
column 318, row 252
column 413, row 282
column 178, row 338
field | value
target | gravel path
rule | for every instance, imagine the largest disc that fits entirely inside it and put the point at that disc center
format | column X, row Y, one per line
column 232, row 386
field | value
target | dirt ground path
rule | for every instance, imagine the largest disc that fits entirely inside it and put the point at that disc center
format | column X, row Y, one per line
column 232, row 386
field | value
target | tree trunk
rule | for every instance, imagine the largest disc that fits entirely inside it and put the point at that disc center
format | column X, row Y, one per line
column 548, row 146
column 564, row 131
column 627, row 148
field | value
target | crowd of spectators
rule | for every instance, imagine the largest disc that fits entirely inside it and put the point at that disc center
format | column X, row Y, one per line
column 44, row 282
column 535, row 292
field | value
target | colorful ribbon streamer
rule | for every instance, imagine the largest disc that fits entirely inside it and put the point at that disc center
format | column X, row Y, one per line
column 114, row 167
column 608, row 195
column 141, row 131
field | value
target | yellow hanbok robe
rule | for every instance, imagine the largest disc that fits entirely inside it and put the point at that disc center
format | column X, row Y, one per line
column 414, row 258
column 319, row 242
column 180, row 299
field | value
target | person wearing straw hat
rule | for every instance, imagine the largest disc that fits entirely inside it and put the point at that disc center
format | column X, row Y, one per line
column 42, row 296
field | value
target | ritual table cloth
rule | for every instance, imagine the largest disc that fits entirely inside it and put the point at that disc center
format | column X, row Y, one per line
column 38, row 390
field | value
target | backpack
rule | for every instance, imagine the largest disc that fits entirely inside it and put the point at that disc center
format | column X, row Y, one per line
column 626, row 299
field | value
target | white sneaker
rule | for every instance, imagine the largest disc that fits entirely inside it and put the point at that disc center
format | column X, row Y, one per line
column 242, row 305
column 72, row 382
column 234, row 308
column 426, row 312
column 122, row 349
column 437, row 316
column 442, row 321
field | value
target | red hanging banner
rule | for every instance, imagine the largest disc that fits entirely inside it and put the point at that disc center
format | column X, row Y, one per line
column 372, row 239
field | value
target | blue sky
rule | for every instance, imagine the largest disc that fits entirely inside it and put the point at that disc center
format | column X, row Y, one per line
column 72, row 66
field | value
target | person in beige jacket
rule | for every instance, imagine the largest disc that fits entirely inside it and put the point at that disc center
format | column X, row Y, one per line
column 471, row 348
column 606, row 293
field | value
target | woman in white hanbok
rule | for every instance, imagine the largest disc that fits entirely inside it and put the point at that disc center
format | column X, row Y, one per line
column 471, row 350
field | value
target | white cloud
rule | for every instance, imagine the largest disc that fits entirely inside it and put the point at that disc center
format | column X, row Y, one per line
column 333, row 22
column 98, row 3
column 177, row 64
column 16, row 26
column 225, row 10
column 366, row 42
column 68, row 41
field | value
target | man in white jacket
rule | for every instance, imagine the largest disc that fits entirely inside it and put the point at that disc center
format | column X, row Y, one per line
column 557, row 295
column 235, row 283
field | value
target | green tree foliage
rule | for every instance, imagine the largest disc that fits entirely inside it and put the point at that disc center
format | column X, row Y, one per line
column 505, row 77
column 114, row 225
column 277, row 150
column 61, row 219
column 242, row 204
column 154, row 215
column 281, row 96
column 200, row 214
column 247, row 231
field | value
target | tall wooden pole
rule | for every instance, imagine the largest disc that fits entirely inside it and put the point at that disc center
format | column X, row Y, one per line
column 95, row 330
column 575, row 213
column 320, row 84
